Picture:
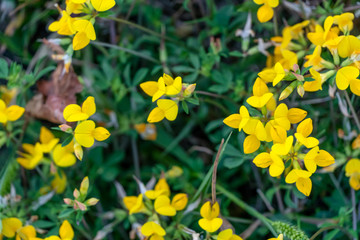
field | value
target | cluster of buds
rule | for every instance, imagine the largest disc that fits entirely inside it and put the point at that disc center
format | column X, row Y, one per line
column 80, row 201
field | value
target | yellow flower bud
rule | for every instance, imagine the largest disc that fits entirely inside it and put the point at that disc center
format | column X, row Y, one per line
column 189, row 90
column 84, row 186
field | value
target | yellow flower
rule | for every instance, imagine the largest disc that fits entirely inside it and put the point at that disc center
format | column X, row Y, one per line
column 302, row 179
column 297, row 29
column 266, row 12
column 166, row 108
column 280, row 73
column 134, row 204
column 161, row 188
column 303, row 131
column 275, row 133
column 147, row 131
column 66, row 232
column 261, row 94
column 228, row 235
column 154, row 89
column 283, row 149
column 315, row 85
column 348, row 76
column 59, row 182
column 85, row 32
column 317, row 157
column 85, row 133
column 238, row 121
column 12, row 227
column 163, row 207
column 7, row 94
column 64, row 156
column 281, row 116
column 320, row 36
column 210, row 221
column 74, row 113
column 251, row 144
column 296, row 115
column 11, row 113
column 264, row 160
column 173, row 86
column 280, row 237
column 102, row 5
column 47, row 140
column 153, row 231
column 348, row 45
column 352, row 170
column 315, row 59
column 74, row 6
column 64, row 26
column 288, row 60
column 31, row 157
column 344, row 21
column 179, row 201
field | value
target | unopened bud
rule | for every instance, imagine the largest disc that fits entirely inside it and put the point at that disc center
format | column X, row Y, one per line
column 64, row 127
column 301, row 90
column 286, row 92
column 189, row 90
column 68, row 201
column 91, row 201
column 80, row 205
column 76, row 193
column 78, row 151
column 84, row 186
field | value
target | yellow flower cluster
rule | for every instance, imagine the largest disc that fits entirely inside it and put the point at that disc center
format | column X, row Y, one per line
column 155, row 203
column 82, row 27
column 85, row 132
column 166, row 86
column 13, row 227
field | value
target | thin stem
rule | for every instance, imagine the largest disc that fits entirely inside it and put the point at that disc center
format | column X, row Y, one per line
column 357, row 122
column 338, row 188
column 213, row 181
column 321, row 230
column 126, row 50
column 354, row 215
column 250, row 210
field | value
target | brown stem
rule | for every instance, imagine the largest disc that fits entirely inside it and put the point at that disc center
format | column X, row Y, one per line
column 213, row 181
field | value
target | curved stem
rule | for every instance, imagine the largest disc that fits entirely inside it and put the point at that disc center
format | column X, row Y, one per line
column 329, row 228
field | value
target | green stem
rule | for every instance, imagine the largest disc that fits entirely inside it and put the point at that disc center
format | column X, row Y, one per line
column 321, row 230
column 252, row 211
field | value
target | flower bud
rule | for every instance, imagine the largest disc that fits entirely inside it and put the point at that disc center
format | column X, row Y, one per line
column 301, row 90
column 76, row 193
column 68, row 201
column 91, row 201
column 189, row 90
column 84, row 186
column 286, row 92
column 78, row 151
column 79, row 205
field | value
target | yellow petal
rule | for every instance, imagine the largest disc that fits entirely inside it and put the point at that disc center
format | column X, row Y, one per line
column 283, row 148
column 281, row 116
column 210, row 225
column 149, row 87
column 161, row 90
column 102, row 5
column 263, row 160
column 277, row 167
column 260, row 87
column 100, row 133
column 10, row 226
column 80, row 41
column 26, row 232
column 355, row 86
column 348, row 45
column 280, row 73
column 163, row 207
column 225, row 234
column 86, row 27
column 179, row 201
column 233, row 121
column 175, row 88
column 296, row 115
column 278, row 134
column 251, row 144
column 259, row 102
column 59, row 183
column 304, row 185
column 88, row 106
column 305, row 127
column 83, row 133
column 265, row 13
column 169, row 107
column 62, row 157
column 150, row 228
column 156, row 115
column 209, row 211
column 273, row 3
column 352, row 166
column 345, row 75
column 324, row 159
column 14, row 112
column 354, row 181
column 66, row 231
column 309, row 159
column 73, row 113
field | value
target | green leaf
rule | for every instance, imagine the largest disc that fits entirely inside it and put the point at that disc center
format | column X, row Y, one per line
column 65, row 213
column 236, row 54
column 140, row 75
column 185, row 107
column 43, row 224
column 4, row 68
column 67, row 141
